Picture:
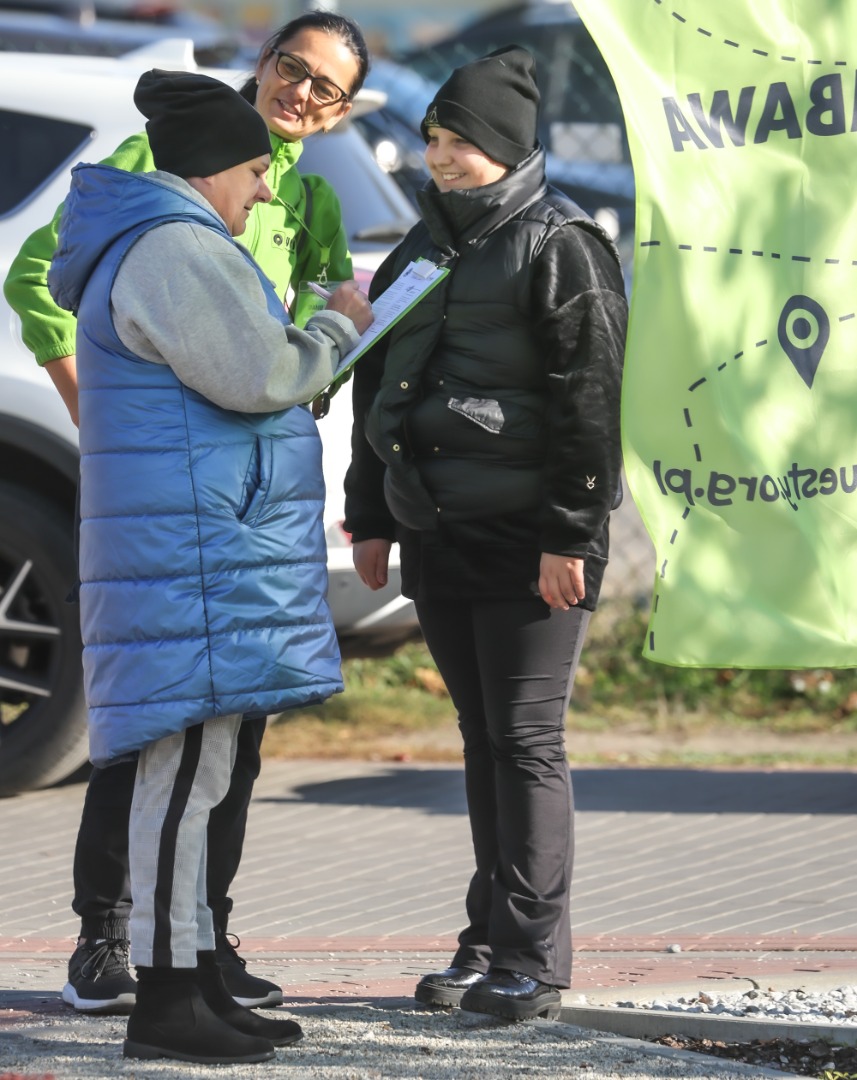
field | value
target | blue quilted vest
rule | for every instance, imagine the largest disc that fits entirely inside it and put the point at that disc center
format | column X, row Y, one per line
column 203, row 564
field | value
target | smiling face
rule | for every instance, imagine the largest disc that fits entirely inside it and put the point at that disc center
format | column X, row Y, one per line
column 234, row 192
column 456, row 164
column 289, row 108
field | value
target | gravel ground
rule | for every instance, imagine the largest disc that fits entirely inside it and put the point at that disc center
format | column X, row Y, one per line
column 364, row 1043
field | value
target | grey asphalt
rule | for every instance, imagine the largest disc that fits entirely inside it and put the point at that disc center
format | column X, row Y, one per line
column 352, row 885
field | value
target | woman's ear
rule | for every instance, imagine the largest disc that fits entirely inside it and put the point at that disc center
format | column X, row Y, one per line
column 344, row 109
column 261, row 64
column 203, row 184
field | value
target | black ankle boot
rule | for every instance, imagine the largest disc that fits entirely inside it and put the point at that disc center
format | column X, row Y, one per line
column 171, row 1019
column 222, row 1004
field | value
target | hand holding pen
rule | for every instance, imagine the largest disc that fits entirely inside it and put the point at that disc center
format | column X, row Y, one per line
column 348, row 300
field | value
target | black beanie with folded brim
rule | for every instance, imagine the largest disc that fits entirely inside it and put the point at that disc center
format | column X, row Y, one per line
column 198, row 126
column 492, row 102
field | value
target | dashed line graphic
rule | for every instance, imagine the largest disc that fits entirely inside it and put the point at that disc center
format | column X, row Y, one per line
column 713, row 249
column 803, row 334
column 765, row 53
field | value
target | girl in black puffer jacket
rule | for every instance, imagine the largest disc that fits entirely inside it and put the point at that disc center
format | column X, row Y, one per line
column 486, row 442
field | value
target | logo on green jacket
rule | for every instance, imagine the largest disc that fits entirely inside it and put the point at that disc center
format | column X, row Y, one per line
column 284, row 239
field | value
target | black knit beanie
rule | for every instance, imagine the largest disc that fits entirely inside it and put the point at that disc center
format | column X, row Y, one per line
column 198, row 126
column 493, row 103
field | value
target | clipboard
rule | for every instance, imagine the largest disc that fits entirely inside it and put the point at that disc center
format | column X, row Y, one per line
column 415, row 281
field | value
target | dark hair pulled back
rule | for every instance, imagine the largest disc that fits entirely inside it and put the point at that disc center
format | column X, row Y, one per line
column 348, row 32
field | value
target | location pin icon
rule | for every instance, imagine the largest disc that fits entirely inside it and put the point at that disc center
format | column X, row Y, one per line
column 804, row 331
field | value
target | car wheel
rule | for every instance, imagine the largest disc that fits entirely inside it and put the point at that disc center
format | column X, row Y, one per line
column 43, row 733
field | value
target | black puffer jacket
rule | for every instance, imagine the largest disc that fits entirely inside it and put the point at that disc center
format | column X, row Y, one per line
column 487, row 421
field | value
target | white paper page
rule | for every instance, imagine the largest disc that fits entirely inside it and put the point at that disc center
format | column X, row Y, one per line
column 410, row 286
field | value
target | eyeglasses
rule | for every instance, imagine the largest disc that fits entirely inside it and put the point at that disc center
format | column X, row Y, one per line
column 294, row 71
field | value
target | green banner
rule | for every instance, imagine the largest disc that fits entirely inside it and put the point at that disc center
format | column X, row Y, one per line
column 740, row 392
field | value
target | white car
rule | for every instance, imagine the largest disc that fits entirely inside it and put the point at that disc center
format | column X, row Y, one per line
column 54, row 112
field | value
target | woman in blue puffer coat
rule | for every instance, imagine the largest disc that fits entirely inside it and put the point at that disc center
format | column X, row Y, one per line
column 202, row 556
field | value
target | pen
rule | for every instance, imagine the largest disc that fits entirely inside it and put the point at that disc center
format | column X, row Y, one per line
column 319, row 291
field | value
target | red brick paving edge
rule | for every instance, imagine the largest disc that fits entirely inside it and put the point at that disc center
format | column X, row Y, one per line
column 582, row 944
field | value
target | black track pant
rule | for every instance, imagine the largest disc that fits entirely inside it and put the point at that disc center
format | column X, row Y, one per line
column 102, row 885
column 509, row 667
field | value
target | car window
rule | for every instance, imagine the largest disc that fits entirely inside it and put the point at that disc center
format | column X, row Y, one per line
column 374, row 209
column 34, row 149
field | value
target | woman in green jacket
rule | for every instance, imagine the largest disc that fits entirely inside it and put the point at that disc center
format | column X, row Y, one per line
column 305, row 80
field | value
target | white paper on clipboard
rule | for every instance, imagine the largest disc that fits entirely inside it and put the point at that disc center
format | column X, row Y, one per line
column 417, row 279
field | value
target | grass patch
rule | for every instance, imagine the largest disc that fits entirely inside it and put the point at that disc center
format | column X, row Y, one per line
column 615, row 677
column 625, row 710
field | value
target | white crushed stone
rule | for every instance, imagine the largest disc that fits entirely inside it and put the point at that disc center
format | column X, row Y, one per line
column 837, row 1006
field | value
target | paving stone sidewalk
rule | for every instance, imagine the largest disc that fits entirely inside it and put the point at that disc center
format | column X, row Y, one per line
column 354, row 873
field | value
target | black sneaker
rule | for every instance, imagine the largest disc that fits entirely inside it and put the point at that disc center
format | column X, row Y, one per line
column 98, row 978
column 248, row 990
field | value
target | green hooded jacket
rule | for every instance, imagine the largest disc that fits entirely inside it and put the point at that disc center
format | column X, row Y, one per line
column 289, row 248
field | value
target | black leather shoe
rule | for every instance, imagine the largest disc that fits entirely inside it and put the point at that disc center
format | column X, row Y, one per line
column 513, row 995
column 446, row 987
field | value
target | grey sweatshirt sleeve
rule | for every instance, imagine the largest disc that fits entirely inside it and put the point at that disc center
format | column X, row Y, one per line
column 186, row 297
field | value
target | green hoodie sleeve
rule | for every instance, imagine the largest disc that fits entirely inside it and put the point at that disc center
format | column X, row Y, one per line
column 48, row 331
